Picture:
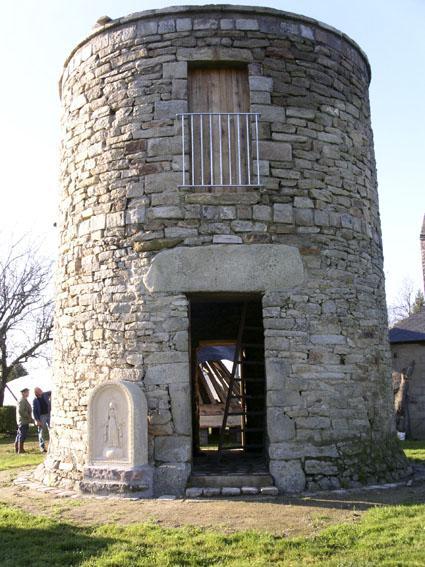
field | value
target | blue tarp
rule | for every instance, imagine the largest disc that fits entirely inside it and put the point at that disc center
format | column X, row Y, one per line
column 216, row 352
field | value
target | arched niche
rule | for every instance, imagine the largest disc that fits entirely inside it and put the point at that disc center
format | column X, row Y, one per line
column 118, row 425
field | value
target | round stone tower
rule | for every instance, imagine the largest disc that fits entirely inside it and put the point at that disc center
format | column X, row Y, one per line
column 219, row 179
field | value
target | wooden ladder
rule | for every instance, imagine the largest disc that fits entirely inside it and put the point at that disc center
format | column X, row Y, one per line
column 242, row 412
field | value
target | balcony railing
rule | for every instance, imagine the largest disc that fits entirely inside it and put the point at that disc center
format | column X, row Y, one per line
column 220, row 149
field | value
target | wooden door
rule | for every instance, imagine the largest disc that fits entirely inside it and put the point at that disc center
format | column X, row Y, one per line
column 220, row 142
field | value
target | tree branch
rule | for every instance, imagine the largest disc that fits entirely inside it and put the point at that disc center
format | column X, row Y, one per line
column 26, row 320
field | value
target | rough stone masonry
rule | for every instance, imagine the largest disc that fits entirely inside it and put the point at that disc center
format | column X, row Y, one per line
column 127, row 227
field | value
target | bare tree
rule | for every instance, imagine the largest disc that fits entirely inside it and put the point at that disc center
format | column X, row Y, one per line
column 408, row 302
column 25, row 309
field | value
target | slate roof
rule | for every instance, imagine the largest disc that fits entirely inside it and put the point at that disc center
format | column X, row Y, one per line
column 410, row 330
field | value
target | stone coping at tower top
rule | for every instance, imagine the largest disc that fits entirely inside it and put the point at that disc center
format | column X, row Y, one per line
column 217, row 8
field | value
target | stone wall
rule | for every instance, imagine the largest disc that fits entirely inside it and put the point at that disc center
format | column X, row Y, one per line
column 403, row 355
column 329, row 397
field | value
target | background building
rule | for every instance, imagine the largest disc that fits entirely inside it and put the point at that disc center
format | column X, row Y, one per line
column 407, row 340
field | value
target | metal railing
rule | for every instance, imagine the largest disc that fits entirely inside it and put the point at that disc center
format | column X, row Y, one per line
column 220, row 149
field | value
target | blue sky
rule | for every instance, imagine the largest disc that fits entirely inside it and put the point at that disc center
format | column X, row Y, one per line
column 38, row 35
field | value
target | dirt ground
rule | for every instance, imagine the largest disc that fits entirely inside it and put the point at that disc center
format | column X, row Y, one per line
column 284, row 515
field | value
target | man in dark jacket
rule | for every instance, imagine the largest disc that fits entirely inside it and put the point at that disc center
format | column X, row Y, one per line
column 41, row 413
column 23, row 419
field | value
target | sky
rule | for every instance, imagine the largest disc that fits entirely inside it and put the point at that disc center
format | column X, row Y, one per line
column 37, row 36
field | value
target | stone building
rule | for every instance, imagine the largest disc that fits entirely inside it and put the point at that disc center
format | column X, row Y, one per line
column 221, row 315
column 407, row 339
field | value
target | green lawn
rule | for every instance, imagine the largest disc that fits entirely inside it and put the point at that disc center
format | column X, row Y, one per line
column 415, row 450
column 384, row 536
column 9, row 459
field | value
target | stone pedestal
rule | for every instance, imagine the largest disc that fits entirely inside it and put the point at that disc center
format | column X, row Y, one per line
column 123, row 481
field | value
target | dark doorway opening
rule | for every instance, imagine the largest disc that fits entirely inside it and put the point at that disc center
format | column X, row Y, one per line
column 228, row 384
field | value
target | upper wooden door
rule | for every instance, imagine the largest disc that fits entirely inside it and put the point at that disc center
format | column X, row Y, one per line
column 218, row 89
column 220, row 143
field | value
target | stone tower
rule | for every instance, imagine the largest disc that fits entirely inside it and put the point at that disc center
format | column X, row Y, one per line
column 220, row 293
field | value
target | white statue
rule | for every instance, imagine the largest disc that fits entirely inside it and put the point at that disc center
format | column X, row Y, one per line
column 113, row 434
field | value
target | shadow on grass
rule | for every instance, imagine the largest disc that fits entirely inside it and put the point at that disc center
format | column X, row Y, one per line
column 383, row 536
column 36, row 541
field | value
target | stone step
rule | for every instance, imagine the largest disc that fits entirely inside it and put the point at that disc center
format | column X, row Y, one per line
column 226, row 491
column 257, row 480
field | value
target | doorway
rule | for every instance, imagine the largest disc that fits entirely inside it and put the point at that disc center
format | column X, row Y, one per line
column 228, row 383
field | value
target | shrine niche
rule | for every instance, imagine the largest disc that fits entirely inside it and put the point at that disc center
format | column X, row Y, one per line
column 117, row 425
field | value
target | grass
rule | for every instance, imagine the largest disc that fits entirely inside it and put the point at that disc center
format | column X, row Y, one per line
column 414, row 450
column 8, row 458
column 385, row 536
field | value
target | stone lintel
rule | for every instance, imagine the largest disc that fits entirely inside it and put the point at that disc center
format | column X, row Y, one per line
column 225, row 268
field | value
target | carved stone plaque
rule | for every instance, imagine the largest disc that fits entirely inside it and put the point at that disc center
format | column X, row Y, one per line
column 117, row 425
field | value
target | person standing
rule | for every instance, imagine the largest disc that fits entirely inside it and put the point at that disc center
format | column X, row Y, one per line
column 41, row 412
column 23, row 419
